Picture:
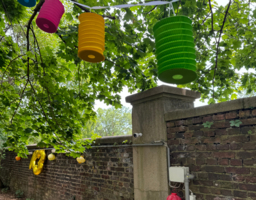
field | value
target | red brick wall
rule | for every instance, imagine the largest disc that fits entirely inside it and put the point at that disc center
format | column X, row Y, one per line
column 107, row 174
column 222, row 158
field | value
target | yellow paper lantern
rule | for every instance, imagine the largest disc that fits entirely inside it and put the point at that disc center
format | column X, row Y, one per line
column 80, row 160
column 51, row 157
column 91, row 37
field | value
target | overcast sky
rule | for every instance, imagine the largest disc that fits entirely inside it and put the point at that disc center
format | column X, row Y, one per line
column 125, row 91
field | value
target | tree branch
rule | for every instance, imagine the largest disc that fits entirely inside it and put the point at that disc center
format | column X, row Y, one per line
column 35, row 50
column 8, row 67
column 47, row 90
column 38, row 7
column 211, row 13
column 151, row 10
column 218, row 44
column 44, row 114
column 1, row 38
column 114, row 63
column 87, row 10
column 60, row 37
column 22, row 28
column 7, row 14
column 21, row 97
column 205, row 19
column 38, row 100
column 249, row 3
column 37, row 44
column 109, row 17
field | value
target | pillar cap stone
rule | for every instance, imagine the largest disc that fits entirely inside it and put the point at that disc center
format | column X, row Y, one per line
column 163, row 91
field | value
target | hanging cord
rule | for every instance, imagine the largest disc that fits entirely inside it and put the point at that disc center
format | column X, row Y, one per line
column 151, row 3
column 171, row 8
column 183, row 188
column 175, row 186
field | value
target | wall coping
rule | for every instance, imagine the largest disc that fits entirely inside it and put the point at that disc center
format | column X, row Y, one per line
column 102, row 140
column 211, row 109
column 158, row 92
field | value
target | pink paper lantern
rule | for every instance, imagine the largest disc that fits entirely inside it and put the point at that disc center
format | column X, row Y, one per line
column 173, row 196
column 49, row 16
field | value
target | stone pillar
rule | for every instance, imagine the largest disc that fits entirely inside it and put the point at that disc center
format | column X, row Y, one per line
column 150, row 163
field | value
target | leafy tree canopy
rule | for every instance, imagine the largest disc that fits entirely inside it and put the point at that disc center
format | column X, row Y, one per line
column 110, row 122
column 47, row 91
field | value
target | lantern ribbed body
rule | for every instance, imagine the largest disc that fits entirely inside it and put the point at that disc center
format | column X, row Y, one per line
column 49, row 16
column 173, row 196
column 91, row 37
column 175, row 50
column 27, row 3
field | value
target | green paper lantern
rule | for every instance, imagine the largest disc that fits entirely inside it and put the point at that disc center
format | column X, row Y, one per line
column 175, row 50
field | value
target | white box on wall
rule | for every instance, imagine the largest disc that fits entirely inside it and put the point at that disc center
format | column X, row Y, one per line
column 177, row 174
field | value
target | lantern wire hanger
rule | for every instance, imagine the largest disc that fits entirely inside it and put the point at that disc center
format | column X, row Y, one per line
column 151, row 3
column 171, row 8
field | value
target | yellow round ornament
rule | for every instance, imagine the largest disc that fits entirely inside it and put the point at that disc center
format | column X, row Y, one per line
column 51, row 157
column 80, row 160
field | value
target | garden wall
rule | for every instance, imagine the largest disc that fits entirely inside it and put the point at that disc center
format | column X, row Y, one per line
column 217, row 142
column 222, row 157
column 107, row 174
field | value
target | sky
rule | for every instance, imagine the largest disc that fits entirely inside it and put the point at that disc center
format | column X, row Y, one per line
column 125, row 92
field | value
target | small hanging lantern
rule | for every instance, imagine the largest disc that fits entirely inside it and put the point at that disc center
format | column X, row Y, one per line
column 173, row 196
column 91, row 37
column 175, row 50
column 27, row 3
column 17, row 158
column 51, row 157
column 49, row 16
column 80, row 159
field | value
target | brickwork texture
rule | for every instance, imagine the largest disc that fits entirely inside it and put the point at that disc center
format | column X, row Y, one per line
column 222, row 157
column 107, row 174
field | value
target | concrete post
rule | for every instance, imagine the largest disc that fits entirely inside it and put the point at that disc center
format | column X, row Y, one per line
column 150, row 163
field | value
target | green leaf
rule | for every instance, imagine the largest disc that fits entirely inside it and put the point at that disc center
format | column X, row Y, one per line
column 244, row 20
column 207, row 124
column 236, row 123
column 30, row 54
column 129, row 15
column 28, row 130
column 69, row 16
column 224, row 37
column 234, row 96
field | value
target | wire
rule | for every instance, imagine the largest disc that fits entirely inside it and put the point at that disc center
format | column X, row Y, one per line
column 171, row 8
column 152, row 3
column 171, row 186
column 183, row 188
